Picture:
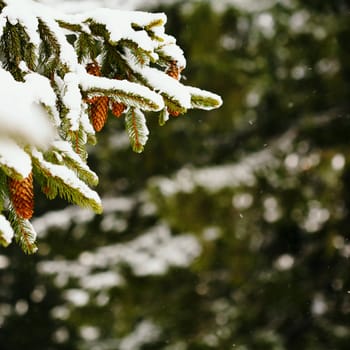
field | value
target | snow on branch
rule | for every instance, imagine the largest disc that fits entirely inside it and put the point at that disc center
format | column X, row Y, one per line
column 61, row 77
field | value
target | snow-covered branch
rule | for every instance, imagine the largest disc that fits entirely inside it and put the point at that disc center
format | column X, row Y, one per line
column 61, row 76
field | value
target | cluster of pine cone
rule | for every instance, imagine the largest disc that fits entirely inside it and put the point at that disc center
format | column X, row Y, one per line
column 99, row 105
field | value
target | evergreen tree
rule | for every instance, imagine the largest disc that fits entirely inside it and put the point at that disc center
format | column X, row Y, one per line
column 64, row 75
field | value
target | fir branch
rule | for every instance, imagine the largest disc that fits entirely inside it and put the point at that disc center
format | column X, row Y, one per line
column 112, row 62
column 30, row 57
column 28, row 49
column 87, row 47
column 49, row 50
column 141, row 56
column 11, row 48
column 98, row 29
column 59, row 180
column 73, row 161
column 127, row 98
column 203, row 99
column 163, row 117
column 73, row 27
column 78, row 140
column 173, row 105
column 149, row 28
column 158, row 22
column 174, row 94
column 136, row 128
column 24, row 232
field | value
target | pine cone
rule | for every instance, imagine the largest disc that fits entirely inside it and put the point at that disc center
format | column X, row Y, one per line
column 99, row 112
column 22, row 196
column 99, row 104
column 93, row 69
column 173, row 113
column 118, row 108
column 174, row 70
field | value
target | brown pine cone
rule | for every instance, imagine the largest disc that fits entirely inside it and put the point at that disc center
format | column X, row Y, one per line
column 99, row 112
column 173, row 113
column 118, row 108
column 93, row 69
column 98, row 104
column 22, row 196
column 173, row 70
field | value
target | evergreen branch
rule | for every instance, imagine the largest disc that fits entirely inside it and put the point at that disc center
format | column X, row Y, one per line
column 77, row 140
column 73, row 161
column 203, row 99
column 127, row 98
column 28, row 48
column 49, row 49
column 141, row 55
column 74, row 27
column 86, row 47
column 11, row 49
column 48, row 38
column 129, row 53
column 123, row 91
column 59, row 180
column 98, row 29
column 24, row 232
column 173, row 105
column 163, row 117
column 149, row 28
column 136, row 128
column 112, row 63
column 175, row 94
column 30, row 57
column 158, row 22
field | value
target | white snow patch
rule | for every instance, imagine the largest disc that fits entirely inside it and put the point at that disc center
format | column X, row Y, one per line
column 216, row 178
column 12, row 156
column 6, row 231
column 145, row 332
column 153, row 253
column 77, row 297
column 102, row 280
column 72, row 99
column 25, row 119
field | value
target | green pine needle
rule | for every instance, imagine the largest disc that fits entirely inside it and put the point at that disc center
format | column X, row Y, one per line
column 136, row 128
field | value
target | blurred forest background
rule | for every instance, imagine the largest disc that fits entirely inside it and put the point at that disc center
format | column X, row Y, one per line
column 231, row 230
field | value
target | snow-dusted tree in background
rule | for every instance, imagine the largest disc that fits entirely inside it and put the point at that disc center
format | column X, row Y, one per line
column 61, row 76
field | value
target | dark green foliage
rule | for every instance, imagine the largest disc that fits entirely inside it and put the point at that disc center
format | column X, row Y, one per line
column 86, row 47
column 13, row 50
column 273, row 273
column 49, row 50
